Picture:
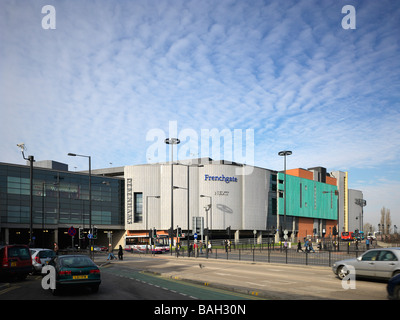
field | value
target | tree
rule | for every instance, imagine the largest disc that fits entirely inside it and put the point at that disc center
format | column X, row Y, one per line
column 385, row 221
column 368, row 228
column 388, row 221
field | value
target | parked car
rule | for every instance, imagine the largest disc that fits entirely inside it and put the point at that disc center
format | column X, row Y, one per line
column 15, row 260
column 41, row 257
column 393, row 288
column 382, row 263
column 75, row 270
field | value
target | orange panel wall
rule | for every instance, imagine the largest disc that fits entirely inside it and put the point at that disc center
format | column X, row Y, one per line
column 332, row 181
column 306, row 226
column 329, row 227
column 301, row 173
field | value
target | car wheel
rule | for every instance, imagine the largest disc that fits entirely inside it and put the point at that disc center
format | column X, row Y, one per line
column 342, row 272
column 396, row 293
column 396, row 273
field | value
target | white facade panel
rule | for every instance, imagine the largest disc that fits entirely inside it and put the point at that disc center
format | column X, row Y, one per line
column 221, row 183
column 355, row 210
column 255, row 191
column 238, row 201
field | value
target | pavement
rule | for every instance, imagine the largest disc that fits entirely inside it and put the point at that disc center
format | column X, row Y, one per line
column 271, row 281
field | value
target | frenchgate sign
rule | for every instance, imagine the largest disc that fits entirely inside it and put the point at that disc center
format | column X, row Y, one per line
column 220, row 178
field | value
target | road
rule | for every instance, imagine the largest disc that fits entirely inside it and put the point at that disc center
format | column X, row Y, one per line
column 268, row 280
column 119, row 282
column 164, row 277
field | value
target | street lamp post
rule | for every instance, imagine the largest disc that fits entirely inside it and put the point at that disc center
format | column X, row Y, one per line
column 147, row 218
column 90, row 196
column 284, row 154
column 31, row 160
column 208, row 210
column 337, row 222
column 188, row 204
column 172, row 141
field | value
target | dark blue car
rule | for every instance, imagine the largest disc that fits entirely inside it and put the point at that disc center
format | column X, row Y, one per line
column 393, row 288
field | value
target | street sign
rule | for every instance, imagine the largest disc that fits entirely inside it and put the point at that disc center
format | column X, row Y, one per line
column 195, row 235
column 72, row 231
column 90, row 236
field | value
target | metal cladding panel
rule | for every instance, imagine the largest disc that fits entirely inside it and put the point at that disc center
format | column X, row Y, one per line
column 222, row 187
column 307, row 198
column 138, row 179
column 355, row 210
column 255, row 195
column 237, row 200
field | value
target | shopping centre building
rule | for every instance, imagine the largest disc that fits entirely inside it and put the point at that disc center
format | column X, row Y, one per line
column 233, row 198
column 218, row 199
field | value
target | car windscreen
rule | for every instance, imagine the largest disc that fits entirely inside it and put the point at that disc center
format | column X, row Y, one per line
column 76, row 262
column 19, row 252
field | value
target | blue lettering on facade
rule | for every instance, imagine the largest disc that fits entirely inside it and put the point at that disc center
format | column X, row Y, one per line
column 220, row 178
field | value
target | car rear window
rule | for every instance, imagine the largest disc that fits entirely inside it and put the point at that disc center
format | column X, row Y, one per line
column 47, row 254
column 19, row 252
column 76, row 262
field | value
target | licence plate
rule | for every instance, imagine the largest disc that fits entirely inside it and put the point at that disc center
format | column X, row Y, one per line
column 80, row 277
column 13, row 264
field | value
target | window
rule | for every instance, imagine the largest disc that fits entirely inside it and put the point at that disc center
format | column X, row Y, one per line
column 138, row 213
column 370, row 256
column 301, row 194
column 387, row 256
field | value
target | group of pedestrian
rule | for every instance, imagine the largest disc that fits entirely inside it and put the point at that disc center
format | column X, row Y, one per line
column 308, row 246
column 111, row 255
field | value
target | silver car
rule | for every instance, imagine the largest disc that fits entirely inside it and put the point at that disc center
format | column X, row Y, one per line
column 381, row 263
column 41, row 257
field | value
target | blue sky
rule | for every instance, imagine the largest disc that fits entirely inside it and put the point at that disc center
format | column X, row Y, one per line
column 113, row 71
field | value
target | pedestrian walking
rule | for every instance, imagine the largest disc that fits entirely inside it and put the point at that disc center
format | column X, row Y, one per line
column 120, row 253
column 209, row 247
column 299, row 247
column 56, row 248
column 306, row 246
column 310, row 246
column 110, row 253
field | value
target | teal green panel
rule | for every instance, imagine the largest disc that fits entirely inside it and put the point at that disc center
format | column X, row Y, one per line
column 307, row 198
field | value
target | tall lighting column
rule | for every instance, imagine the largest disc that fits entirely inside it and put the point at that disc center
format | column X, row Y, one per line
column 284, row 154
column 31, row 160
column 172, row 141
column 90, row 196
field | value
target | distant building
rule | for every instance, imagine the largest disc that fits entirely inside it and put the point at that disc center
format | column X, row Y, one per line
column 60, row 200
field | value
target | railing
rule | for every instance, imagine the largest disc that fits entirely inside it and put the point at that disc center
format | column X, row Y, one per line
column 324, row 255
column 287, row 256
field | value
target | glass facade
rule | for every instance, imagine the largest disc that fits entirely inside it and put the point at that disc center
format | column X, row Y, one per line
column 60, row 198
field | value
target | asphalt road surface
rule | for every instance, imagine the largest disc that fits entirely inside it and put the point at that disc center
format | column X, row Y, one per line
column 168, row 278
column 119, row 282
